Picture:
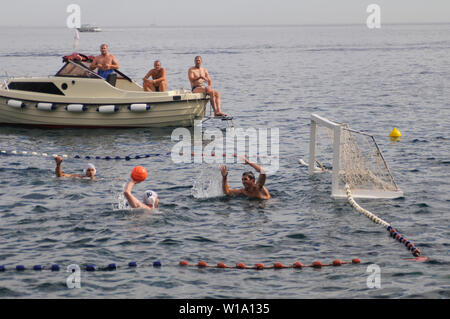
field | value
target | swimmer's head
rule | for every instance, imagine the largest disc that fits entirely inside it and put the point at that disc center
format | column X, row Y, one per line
column 149, row 198
column 248, row 178
column 89, row 170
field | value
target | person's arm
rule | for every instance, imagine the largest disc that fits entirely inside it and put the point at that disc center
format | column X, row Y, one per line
column 226, row 189
column 149, row 73
column 191, row 76
column 133, row 201
column 262, row 173
column 207, row 78
column 114, row 64
column 58, row 169
column 94, row 64
column 162, row 78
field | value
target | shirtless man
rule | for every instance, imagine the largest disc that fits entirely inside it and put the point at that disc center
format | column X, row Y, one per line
column 105, row 62
column 198, row 76
column 89, row 171
column 251, row 188
column 158, row 74
column 149, row 199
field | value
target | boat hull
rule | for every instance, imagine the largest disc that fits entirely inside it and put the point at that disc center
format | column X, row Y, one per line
column 162, row 114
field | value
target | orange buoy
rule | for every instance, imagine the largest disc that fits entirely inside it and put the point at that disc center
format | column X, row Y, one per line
column 278, row 265
column 221, row 265
column 183, row 263
column 317, row 264
column 337, row 262
column 240, row 265
column 298, row 264
column 139, row 174
column 259, row 266
column 356, row 261
column 202, row 264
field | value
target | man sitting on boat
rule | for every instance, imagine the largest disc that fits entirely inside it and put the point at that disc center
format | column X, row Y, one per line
column 106, row 63
column 159, row 82
column 199, row 76
column 89, row 171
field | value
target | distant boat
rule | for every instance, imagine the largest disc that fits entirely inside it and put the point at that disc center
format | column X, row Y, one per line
column 89, row 28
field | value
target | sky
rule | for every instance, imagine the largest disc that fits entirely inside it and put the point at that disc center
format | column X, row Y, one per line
column 220, row 12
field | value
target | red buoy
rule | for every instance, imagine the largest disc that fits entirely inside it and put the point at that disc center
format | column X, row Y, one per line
column 317, row 264
column 337, row 262
column 298, row 264
column 221, row 265
column 240, row 265
column 183, row 263
column 259, row 266
column 356, row 261
column 202, row 264
column 278, row 265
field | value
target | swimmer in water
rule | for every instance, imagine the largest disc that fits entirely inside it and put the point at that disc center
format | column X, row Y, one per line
column 89, row 171
column 251, row 188
column 149, row 199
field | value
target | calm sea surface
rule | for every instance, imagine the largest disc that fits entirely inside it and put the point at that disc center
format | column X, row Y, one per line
column 270, row 77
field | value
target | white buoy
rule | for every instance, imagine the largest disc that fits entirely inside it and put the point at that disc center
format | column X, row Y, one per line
column 76, row 108
column 45, row 106
column 107, row 109
column 139, row 107
column 16, row 104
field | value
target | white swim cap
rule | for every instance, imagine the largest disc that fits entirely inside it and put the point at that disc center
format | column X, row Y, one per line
column 150, row 197
column 89, row 165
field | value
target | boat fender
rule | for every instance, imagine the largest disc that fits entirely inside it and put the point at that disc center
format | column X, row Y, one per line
column 16, row 104
column 76, row 108
column 107, row 109
column 45, row 106
column 139, row 107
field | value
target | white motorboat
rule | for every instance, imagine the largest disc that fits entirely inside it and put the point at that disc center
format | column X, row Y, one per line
column 78, row 97
column 89, row 28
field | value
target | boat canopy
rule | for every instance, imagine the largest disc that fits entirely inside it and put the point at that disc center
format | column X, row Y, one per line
column 77, row 65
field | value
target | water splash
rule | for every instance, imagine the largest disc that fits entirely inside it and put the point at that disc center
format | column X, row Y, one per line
column 208, row 183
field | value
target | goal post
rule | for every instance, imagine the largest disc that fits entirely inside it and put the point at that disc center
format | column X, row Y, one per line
column 352, row 158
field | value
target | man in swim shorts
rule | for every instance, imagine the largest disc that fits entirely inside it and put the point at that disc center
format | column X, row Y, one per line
column 198, row 77
column 251, row 188
column 159, row 82
column 106, row 63
column 88, row 172
column 149, row 199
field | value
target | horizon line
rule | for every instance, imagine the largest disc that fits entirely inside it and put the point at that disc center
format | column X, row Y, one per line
column 153, row 25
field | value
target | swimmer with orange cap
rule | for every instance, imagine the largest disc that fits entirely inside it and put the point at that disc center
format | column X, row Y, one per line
column 252, row 188
column 149, row 199
column 88, row 172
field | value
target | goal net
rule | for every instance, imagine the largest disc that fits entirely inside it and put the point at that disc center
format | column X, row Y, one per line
column 352, row 158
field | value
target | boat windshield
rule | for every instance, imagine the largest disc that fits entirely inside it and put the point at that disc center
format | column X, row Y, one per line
column 77, row 69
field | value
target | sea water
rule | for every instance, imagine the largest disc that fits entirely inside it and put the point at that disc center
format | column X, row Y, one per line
column 269, row 77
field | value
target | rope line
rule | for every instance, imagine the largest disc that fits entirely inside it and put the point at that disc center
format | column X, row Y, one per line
column 158, row 264
column 394, row 234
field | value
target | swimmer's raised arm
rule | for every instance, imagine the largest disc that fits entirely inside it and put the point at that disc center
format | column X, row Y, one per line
column 262, row 173
column 133, row 201
column 226, row 189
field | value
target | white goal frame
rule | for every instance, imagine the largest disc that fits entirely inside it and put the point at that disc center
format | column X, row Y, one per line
column 336, row 191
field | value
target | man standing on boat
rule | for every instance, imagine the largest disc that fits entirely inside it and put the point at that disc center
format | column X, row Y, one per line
column 159, row 82
column 105, row 62
column 198, row 77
